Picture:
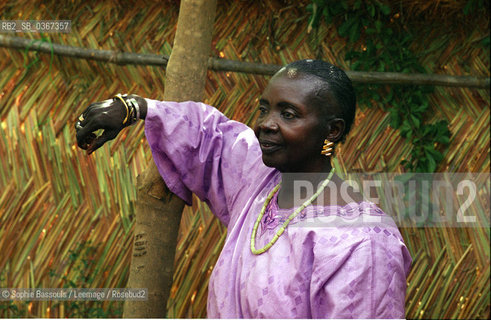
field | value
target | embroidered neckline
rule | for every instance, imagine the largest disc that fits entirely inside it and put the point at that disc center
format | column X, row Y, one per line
column 275, row 215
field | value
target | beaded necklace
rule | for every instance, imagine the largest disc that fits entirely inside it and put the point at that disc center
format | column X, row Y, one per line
column 290, row 218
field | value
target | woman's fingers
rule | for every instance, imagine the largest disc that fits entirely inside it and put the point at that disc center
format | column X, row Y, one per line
column 83, row 118
column 85, row 133
column 100, row 140
column 93, row 110
column 88, row 141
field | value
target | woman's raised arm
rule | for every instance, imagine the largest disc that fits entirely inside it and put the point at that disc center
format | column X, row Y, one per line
column 196, row 148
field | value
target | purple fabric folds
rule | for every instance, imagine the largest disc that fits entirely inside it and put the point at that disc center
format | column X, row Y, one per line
column 323, row 266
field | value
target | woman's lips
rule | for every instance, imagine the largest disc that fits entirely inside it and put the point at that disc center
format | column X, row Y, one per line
column 269, row 147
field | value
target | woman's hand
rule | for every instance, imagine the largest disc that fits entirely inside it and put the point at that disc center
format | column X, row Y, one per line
column 107, row 115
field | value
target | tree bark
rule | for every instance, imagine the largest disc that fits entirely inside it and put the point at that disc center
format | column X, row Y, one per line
column 158, row 211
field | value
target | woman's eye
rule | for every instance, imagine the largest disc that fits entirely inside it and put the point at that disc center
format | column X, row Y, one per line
column 288, row 115
column 262, row 110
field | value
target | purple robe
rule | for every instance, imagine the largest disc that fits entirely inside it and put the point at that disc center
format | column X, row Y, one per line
column 316, row 270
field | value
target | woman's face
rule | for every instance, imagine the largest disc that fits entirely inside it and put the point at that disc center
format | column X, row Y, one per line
column 290, row 131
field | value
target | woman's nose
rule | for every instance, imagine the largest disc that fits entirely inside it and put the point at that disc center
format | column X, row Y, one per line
column 269, row 123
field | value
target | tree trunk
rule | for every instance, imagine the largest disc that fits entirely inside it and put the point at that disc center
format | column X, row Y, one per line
column 158, row 212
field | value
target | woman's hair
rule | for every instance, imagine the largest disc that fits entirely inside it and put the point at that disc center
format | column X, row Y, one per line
column 334, row 86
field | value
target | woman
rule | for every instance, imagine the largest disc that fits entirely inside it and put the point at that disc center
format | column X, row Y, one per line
column 281, row 258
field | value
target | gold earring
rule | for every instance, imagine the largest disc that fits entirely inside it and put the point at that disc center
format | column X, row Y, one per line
column 327, row 148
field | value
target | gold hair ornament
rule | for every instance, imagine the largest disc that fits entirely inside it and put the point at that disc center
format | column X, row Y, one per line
column 292, row 73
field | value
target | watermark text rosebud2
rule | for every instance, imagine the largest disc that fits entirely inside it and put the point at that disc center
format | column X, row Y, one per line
column 433, row 200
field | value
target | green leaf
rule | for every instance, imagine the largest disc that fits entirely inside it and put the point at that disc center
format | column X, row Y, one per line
column 371, row 10
column 378, row 25
column 388, row 97
column 405, row 129
column 434, row 153
column 354, row 32
column 442, row 128
column 385, row 9
column 443, row 139
column 395, row 122
column 416, row 121
column 431, row 162
column 344, row 27
column 485, row 42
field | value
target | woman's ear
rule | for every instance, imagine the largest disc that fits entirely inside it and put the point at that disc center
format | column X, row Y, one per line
column 335, row 129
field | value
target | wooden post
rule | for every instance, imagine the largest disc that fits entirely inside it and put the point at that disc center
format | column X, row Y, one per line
column 158, row 212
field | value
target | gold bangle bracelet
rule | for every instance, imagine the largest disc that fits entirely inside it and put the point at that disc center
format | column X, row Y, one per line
column 125, row 105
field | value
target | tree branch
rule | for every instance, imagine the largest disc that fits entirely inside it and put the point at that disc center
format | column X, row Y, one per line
column 216, row 64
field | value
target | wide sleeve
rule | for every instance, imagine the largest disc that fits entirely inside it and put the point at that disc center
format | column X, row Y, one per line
column 199, row 150
column 366, row 280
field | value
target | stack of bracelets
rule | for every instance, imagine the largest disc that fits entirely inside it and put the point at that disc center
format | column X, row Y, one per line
column 132, row 109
